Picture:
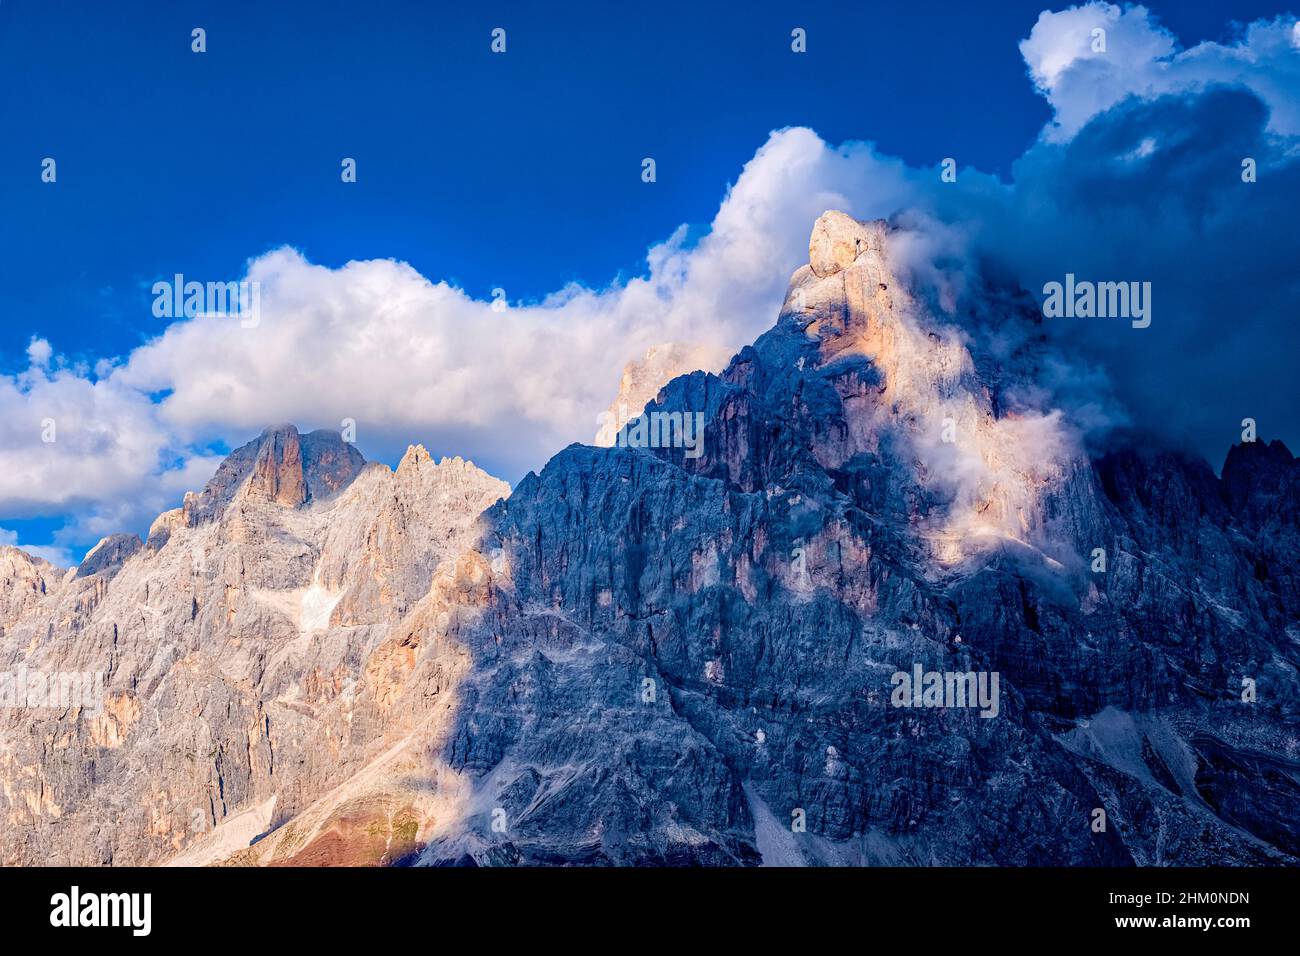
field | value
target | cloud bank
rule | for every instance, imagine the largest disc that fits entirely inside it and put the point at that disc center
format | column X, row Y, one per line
column 1137, row 177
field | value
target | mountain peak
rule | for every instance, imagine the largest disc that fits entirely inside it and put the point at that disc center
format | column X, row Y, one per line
column 415, row 457
column 283, row 428
column 838, row 239
column 643, row 378
column 1261, row 481
column 109, row 554
column 281, row 465
column 277, row 470
column 871, row 497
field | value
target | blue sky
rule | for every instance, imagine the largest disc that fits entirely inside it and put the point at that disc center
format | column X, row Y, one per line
column 519, row 170
column 171, row 161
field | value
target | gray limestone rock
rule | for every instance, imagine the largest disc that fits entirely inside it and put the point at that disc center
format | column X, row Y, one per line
column 646, row 657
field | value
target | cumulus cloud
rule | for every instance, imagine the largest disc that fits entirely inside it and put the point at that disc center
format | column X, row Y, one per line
column 1219, row 254
column 69, row 441
column 1083, row 73
column 89, row 447
column 1137, row 177
column 39, row 352
column 407, row 357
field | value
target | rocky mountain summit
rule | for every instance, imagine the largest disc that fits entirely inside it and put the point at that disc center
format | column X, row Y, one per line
column 253, row 655
column 648, row 657
column 689, row 660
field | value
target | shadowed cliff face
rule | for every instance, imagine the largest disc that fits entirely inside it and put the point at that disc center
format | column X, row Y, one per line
column 651, row 656
column 685, row 656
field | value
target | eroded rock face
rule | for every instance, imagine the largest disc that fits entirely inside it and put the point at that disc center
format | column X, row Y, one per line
column 25, row 582
column 109, row 555
column 640, row 657
column 275, row 641
column 277, row 470
column 837, row 241
column 687, row 656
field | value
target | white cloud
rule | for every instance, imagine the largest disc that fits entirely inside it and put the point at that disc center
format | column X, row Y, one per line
column 39, row 352
column 406, row 357
column 412, row 359
column 1142, row 58
column 95, row 449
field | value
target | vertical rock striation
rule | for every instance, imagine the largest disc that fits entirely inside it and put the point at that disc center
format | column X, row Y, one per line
column 648, row 657
column 271, row 655
column 690, row 658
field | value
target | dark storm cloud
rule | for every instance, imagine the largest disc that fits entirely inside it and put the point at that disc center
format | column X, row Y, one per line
column 1152, row 191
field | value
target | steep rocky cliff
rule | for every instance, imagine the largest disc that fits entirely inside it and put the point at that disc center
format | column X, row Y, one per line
column 688, row 658
column 255, row 653
column 644, row 655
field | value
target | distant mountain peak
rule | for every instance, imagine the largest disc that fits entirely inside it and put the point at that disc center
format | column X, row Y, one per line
column 285, row 467
column 416, row 456
column 109, row 554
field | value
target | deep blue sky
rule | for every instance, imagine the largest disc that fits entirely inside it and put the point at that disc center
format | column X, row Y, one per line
column 520, row 170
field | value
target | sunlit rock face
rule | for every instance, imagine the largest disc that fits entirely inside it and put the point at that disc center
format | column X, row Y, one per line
column 948, row 395
column 25, row 582
column 647, row 656
column 271, row 656
column 690, row 660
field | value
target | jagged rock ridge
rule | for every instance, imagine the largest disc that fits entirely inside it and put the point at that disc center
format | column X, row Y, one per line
column 257, row 654
column 644, row 657
column 686, row 655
